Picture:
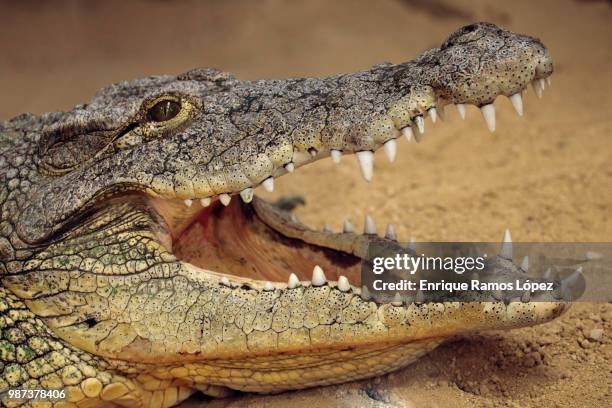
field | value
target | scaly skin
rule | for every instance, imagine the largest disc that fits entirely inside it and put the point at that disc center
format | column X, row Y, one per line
column 107, row 289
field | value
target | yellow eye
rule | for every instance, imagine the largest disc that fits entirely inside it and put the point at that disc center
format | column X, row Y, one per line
column 164, row 110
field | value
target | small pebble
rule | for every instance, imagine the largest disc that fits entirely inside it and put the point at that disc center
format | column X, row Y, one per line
column 596, row 334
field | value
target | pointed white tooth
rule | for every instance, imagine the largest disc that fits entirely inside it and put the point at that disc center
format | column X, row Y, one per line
column 461, row 110
column 433, row 114
column 205, row 202
column 289, row 167
column 343, row 284
column 294, row 218
column 313, row 152
column 365, row 293
column 225, row 199
column 407, row 132
column 225, row 281
column 369, row 226
column 268, row 184
column 420, row 297
column 573, row 278
column 327, row 228
column 535, row 84
column 442, row 112
column 420, row 124
column 517, row 103
column 412, row 244
column 488, row 111
column 390, row 148
column 397, row 300
column 542, row 83
column 247, row 195
column 293, row 282
column 347, row 227
column 188, row 202
column 568, row 283
column 525, row 264
column 548, row 274
column 506, row 247
column 548, row 81
column 318, row 276
column 390, row 233
column 336, row 155
column 268, row 286
column 366, row 164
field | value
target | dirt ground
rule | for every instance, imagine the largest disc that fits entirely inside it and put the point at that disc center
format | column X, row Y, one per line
column 546, row 176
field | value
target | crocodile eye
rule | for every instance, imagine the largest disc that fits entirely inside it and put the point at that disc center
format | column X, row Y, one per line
column 164, row 110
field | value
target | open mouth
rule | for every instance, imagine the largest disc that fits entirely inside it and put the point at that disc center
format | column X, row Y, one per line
column 244, row 240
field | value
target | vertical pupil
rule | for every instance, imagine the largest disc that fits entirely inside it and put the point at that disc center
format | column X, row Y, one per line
column 164, row 110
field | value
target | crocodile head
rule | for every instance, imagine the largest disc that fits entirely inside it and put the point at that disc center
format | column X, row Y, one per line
column 134, row 234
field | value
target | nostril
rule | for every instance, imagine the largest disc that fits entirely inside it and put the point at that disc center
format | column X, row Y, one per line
column 470, row 28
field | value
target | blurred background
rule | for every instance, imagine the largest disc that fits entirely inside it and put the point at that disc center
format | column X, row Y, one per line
column 546, row 176
column 55, row 54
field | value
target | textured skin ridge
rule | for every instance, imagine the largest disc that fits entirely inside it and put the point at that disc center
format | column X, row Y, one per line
column 92, row 299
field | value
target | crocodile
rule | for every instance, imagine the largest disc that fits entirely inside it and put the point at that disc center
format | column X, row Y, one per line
column 138, row 267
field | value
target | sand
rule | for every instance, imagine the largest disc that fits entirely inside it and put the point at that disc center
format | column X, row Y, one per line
column 546, row 176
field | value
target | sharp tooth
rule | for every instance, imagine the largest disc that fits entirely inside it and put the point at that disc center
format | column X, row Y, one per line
column 343, row 284
column 225, row 281
column 397, row 300
column 573, row 278
column 525, row 264
column 442, row 113
column 294, row 218
column 517, row 102
column 293, row 282
column 327, row 228
column 407, row 132
column 268, row 286
column 542, row 83
column 548, row 274
column 461, row 110
column 336, row 155
column 488, row 111
column 366, row 164
column 205, row 201
column 313, row 152
column 506, row 247
column 188, row 202
column 390, row 148
column 570, row 281
column 365, row 293
column 347, row 227
column 536, row 88
column 247, row 195
column 268, row 184
column 433, row 114
column 225, row 199
column 289, row 167
column 412, row 244
column 420, row 124
column 390, row 233
column 369, row 226
column 548, row 80
column 420, row 297
column 318, row 276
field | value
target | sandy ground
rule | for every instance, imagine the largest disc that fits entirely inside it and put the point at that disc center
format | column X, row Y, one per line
column 546, row 176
